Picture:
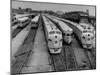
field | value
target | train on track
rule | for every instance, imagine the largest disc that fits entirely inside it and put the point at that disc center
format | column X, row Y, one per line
column 15, row 17
column 88, row 27
column 20, row 23
column 85, row 35
column 66, row 30
column 34, row 21
column 23, row 21
column 53, row 36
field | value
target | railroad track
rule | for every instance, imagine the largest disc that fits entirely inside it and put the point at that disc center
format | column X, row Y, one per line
column 70, row 59
column 57, row 61
column 30, row 36
column 91, row 59
column 21, row 60
column 86, row 62
column 27, row 44
column 64, row 61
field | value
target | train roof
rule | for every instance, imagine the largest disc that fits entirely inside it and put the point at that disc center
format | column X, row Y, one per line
column 51, row 24
column 73, row 23
column 63, row 26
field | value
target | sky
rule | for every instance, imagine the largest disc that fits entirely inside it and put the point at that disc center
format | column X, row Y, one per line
column 53, row 6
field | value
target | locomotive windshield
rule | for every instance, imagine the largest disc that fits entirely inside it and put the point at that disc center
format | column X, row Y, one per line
column 52, row 32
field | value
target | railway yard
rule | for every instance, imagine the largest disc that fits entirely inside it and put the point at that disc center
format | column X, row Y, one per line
column 31, row 53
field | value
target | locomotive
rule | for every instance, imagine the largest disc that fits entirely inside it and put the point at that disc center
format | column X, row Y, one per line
column 34, row 22
column 53, row 36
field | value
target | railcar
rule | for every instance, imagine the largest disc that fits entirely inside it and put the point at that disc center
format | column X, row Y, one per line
column 23, row 22
column 34, row 22
column 53, row 36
